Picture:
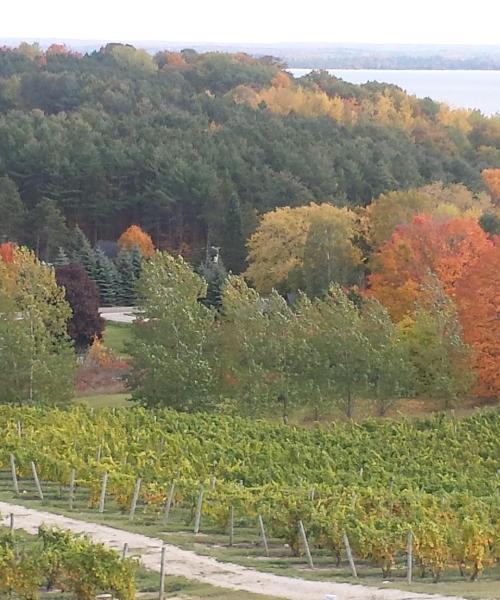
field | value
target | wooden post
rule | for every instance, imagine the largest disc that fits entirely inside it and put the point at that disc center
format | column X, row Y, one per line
column 124, row 551
column 14, row 475
column 11, row 525
column 71, row 494
column 168, row 505
column 135, row 498
column 103, row 492
column 409, row 557
column 306, row 544
column 347, row 547
column 197, row 518
column 37, row 481
column 231, row 525
column 263, row 535
column 19, row 429
column 162, row 573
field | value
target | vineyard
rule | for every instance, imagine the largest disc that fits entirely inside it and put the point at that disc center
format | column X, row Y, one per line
column 375, row 484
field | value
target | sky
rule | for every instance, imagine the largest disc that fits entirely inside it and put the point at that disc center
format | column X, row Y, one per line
column 255, row 21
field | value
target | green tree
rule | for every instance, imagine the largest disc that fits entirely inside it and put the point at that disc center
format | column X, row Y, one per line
column 127, row 278
column 233, row 239
column 12, row 211
column 214, row 273
column 439, row 359
column 49, row 227
column 329, row 253
column 80, row 251
column 107, row 278
column 36, row 355
column 171, row 363
column 342, row 348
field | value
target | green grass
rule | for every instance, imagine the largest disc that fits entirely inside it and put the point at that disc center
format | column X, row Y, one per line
column 116, row 336
column 105, row 400
column 246, row 551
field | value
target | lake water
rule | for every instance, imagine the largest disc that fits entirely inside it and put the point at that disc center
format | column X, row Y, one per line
column 468, row 89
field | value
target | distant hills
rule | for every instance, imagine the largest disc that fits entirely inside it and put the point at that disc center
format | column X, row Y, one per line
column 323, row 55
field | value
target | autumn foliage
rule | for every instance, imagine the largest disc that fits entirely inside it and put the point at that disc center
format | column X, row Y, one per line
column 447, row 249
column 7, row 252
column 478, row 299
column 134, row 237
column 491, row 178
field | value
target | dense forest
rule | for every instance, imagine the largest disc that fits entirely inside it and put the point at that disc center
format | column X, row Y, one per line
column 171, row 142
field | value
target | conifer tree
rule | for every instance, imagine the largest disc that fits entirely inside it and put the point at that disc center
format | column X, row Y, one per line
column 137, row 262
column 106, row 278
column 233, row 240
column 81, row 252
column 126, row 278
column 61, row 258
column 214, row 273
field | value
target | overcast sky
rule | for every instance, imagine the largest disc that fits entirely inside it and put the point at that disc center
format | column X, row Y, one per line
column 379, row 21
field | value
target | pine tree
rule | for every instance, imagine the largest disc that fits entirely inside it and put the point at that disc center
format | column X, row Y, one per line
column 233, row 240
column 62, row 258
column 214, row 273
column 127, row 278
column 106, row 278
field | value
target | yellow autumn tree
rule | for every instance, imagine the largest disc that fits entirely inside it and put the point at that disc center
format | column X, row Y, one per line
column 491, row 178
column 134, row 237
column 292, row 242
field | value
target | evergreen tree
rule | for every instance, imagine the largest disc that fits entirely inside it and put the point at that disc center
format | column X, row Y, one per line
column 81, row 252
column 126, row 278
column 106, row 278
column 11, row 209
column 214, row 273
column 49, row 228
column 62, row 258
column 233, row 240
column 137, row 262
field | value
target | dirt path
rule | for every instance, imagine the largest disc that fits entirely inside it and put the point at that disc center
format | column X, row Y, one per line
column 203, row 568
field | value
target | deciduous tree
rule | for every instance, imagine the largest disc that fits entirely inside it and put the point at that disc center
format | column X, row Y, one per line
column 133, row 237
column 478, row 300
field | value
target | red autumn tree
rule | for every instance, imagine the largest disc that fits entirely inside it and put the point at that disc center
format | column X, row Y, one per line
column 134, row 237
column 424, row 246
column 477, row 295
column 7, row 252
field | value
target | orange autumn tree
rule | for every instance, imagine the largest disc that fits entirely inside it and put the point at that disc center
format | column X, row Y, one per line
column 133, row 237
column 478, row 299
column 491, row 178
column 424, row 246
column 7, row 252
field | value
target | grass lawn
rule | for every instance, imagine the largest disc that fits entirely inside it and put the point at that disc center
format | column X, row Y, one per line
column 105, row 400
column 116, row 336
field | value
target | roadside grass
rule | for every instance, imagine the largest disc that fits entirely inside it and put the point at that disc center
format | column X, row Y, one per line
column 105, row 401
column 116, row 336
column 247, row 549
column 148, row 583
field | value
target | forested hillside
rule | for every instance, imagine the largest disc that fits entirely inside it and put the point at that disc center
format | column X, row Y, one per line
column 120, row 137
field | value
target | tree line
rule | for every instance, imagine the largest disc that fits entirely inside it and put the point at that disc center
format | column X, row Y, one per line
column 118, row 137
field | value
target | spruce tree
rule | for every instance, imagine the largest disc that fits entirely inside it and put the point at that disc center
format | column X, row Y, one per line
column 61, row 258
column 126, row 277
column 214, row 273
column 106, row 278
column 81, row 252
column 233, row 240
column 137, row 262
